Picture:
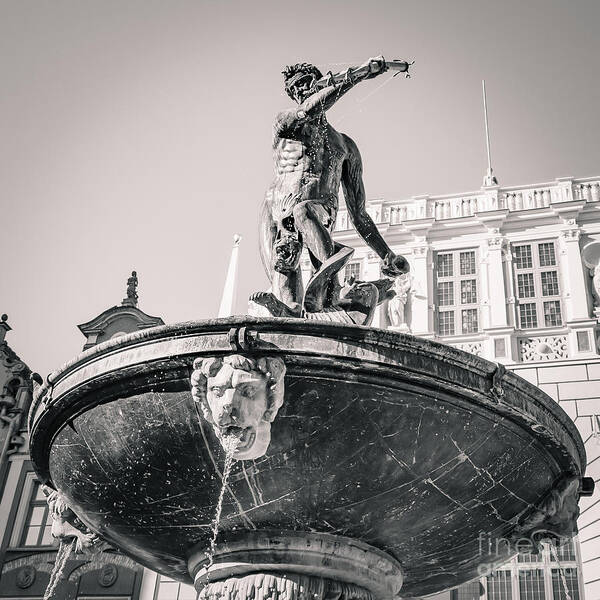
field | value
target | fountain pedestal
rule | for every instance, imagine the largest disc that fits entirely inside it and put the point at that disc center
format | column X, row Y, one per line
column 294, row 564
column 282, row 586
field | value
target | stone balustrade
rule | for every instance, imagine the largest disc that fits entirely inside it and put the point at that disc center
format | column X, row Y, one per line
column 487, row 199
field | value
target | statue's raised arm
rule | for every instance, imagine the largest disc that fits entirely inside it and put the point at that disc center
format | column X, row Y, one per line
column 326, row 91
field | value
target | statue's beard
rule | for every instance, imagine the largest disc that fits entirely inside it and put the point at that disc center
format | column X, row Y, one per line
column 287, row 254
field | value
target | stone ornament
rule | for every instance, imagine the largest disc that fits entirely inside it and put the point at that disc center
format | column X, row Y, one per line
column 591, row 258
column 107, row 575
column 25, row 577
column 570, row 234
column 132, row 295
column 240, row 396
column 475, row 348
column 555, row 518
column 396, row 308
column 67, row 527
column 276, row 586
column 544, row 348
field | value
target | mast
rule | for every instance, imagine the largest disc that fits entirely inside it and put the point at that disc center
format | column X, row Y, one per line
column 489, row 178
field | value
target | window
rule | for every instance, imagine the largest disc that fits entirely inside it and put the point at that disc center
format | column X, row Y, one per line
column 352, row 270
column 446, row 323
column 523, row 257
column 558, row 585
column 38, row 523
column 169, row 589
column 526, row 557
column 565, row 552
column 445, row 293
column 531, row 585
column 499, row 586
column 457, row 292
column 468, row 591
column 525, row 285
column 538, row 287
column 546, row 253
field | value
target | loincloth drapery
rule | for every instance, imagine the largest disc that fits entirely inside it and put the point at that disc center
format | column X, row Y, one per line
column 325, row 208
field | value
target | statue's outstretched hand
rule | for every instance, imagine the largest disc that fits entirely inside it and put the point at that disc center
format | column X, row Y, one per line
column 394, row 265
column 377, row 65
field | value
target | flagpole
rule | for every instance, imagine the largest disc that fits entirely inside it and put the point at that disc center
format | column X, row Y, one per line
column 489, row 178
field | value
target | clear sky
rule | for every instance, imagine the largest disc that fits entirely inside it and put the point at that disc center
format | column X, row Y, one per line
column 136, row 134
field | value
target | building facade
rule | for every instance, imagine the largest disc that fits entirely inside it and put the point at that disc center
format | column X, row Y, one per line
column 510, row 274
column 27, row 550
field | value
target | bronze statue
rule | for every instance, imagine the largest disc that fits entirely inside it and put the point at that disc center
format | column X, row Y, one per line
column 312, row 160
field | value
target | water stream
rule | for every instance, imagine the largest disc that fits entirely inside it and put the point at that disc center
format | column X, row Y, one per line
column 230, row 444
column 561, row 570
column 62, row 556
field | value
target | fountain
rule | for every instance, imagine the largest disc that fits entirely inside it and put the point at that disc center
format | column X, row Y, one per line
column 298, row 452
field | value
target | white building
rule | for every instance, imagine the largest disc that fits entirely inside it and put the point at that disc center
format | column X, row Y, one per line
column 497, row 272
column 500, row 273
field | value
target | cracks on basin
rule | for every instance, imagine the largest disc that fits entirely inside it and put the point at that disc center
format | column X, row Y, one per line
column 433, row 477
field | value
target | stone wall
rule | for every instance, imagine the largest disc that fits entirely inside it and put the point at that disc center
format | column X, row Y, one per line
column 576, row 387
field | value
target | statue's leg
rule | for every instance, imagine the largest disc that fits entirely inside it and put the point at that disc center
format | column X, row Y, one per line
column 308, row 218
column 282, row 302
column 286, row 288
column 290, row 289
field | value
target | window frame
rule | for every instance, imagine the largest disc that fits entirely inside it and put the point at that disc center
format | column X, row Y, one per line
column 34, row 502
column 24, row 509
column 350, row 266
column 544, row 562
column 169, row 580
column 541, row 588
column 505, row 576
column 537, row 301
column 456, row 279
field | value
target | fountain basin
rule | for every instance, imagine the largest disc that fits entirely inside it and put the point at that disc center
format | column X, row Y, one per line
column 423, row 452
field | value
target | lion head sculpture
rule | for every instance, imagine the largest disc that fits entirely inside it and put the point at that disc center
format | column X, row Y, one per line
column 67, row 527
column 240, row 396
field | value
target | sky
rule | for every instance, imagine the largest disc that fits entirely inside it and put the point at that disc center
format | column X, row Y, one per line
column 136, row 134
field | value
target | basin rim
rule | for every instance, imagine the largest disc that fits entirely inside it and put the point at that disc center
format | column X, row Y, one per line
column 43, row 426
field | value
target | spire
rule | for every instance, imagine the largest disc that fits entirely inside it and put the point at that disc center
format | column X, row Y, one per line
column 4, row 327
column 228, row 297
column 489, row 178
column 132, row 295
